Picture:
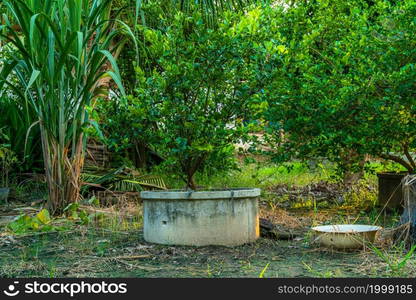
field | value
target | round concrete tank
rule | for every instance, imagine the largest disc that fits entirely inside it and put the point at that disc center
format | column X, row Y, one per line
column 199, row 218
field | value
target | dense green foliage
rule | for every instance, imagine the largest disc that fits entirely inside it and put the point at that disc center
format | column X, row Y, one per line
column 7, row 158
column 16, row 121
column 347, row 87
column 331, row 80
column 191, row 104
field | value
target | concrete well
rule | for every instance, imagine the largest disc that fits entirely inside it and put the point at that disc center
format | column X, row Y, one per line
column 216, row 217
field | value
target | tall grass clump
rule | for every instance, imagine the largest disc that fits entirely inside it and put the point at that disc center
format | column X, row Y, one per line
column 63, row 53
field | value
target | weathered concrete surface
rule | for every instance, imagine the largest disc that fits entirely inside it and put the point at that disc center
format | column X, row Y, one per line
column 228, row 218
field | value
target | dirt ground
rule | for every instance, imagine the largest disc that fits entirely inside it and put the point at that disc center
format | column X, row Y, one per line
column 88, row 251
column 100, row 254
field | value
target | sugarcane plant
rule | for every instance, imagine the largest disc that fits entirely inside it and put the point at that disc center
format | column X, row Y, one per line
column 63, row 51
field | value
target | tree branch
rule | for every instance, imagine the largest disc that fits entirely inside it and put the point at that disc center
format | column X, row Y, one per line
column 408, row 156
column 398, row 160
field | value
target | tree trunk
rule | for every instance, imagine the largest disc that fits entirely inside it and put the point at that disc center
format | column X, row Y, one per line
column 190, row 183
column 352, row 176
column 190, row 168
column 141, row 154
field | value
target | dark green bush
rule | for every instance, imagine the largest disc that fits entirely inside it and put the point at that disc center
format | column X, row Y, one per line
column 346, row 89
column 203, row 90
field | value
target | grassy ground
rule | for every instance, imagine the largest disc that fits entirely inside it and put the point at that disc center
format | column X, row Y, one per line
column 113, row 245
column 94, row 253
column 262, row 175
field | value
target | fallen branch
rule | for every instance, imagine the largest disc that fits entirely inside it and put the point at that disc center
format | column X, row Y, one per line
column 273, row 231
column 133, row 256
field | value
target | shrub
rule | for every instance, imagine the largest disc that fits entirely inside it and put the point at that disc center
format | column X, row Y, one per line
column 347, row 87
column 192, row 103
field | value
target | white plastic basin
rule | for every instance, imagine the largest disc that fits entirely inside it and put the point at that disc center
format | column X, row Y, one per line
column 345, row 236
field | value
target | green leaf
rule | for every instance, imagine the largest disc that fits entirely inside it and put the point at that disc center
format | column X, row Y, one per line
column 72, row 207
column 33, row 77
column 261, row 275
column 43, row 216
